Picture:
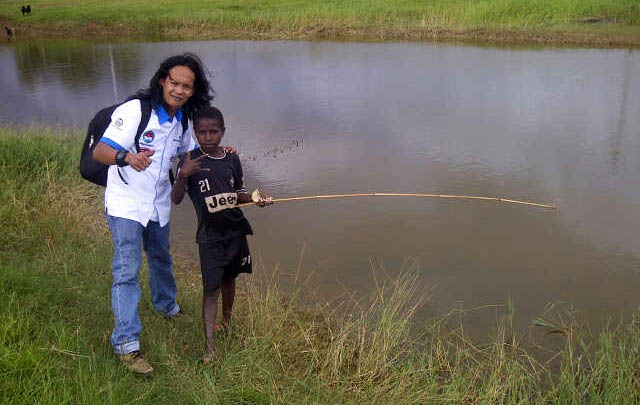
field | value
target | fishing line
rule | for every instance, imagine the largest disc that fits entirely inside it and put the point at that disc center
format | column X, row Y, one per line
column 419, row 195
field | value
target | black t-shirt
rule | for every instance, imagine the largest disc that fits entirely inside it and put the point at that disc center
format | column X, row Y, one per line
column 214, row 194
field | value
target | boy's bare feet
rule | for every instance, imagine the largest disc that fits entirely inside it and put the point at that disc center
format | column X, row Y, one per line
column 208, row 358
column 222, row 327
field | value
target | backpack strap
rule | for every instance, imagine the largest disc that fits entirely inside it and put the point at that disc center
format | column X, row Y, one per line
column 185, row 127
column 145, row 108
column 185, row 123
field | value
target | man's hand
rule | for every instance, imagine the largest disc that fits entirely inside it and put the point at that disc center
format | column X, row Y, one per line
column 191, row 166
column 230, row 149
column 139, row 161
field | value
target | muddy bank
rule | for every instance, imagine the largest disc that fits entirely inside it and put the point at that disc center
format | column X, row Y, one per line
column 593, row 35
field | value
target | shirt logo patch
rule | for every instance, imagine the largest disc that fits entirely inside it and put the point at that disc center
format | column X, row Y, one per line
column 117, row 124
column 220, row 202
column 148, row 137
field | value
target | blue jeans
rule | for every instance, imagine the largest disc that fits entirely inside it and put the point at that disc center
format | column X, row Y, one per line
column 128, row 236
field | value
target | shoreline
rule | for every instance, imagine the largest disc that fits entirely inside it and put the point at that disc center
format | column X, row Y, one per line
column 594, row 23
column 595, row 37
column 54, row 338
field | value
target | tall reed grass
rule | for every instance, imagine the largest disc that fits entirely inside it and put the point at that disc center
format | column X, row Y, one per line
column 55, row 322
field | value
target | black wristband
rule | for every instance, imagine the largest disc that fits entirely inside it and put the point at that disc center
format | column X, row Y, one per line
column 120, row 156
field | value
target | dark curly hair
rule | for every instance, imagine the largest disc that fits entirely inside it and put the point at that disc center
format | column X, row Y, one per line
column 210, row 112
column 202, row 91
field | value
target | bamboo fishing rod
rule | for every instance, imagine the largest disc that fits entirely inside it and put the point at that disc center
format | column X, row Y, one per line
column 419, row 195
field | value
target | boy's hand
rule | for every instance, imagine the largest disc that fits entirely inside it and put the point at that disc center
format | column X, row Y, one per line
column 191, row 166
column 268, row 200
column 260, row 198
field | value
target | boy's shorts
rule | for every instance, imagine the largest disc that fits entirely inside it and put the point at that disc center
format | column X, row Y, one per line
column 224, row 260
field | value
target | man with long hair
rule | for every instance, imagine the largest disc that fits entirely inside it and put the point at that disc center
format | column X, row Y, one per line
column 137, row 196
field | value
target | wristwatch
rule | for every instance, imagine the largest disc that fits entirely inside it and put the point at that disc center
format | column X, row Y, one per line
column 120, row 156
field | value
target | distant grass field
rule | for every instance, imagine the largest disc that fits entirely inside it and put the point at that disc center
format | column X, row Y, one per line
column 55, row 321
column 600, row 22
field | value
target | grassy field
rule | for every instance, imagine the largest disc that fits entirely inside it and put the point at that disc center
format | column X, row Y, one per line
column 55, row 322
column 589, row 22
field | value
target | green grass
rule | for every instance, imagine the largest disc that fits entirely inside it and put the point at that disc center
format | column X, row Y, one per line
column 55, row 322
column 376, row 19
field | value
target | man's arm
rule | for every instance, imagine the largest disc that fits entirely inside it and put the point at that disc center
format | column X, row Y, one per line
column 119, row 136
column 105, row 154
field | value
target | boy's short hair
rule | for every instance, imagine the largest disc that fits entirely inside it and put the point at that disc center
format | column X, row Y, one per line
column 210, row 112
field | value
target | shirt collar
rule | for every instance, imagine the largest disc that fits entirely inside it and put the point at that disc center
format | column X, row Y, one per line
column 163, row 115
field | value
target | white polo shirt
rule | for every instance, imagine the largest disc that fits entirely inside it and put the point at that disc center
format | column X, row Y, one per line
column 144, row 196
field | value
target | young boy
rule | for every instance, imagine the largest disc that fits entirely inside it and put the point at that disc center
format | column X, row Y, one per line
column 213, row 180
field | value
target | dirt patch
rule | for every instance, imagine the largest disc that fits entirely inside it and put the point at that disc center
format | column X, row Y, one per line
column 201, row 31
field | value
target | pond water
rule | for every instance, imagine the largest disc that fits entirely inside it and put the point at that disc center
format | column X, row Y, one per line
column 556, row 126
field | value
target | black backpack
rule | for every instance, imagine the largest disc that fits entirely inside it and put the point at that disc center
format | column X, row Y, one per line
column 91, row 169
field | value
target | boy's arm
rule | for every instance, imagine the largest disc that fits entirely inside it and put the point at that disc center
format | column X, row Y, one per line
column 244, row 198
column 185, row 170
column 263, row 201
column 243, row 195
column 179, row 188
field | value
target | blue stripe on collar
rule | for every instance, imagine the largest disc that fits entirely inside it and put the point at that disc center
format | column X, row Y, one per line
column 163, row 115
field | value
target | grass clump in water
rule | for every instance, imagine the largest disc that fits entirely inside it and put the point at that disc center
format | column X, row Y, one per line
column 55, row 321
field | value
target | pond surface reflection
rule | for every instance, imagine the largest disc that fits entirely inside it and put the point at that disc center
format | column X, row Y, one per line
column 554, row 126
